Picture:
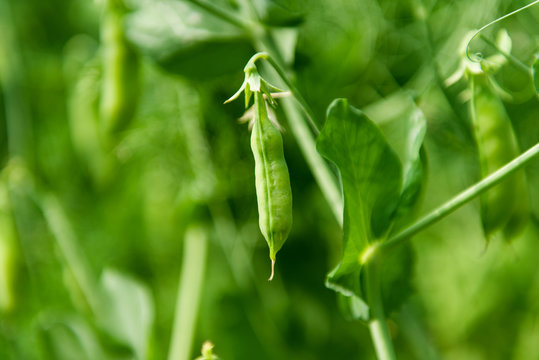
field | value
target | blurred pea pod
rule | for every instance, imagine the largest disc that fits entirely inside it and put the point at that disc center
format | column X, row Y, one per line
column 120, row 85
column 8, row 249
column 505, row 207
column 84, row 124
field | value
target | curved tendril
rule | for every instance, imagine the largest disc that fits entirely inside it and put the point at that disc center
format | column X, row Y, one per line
column 479, row 56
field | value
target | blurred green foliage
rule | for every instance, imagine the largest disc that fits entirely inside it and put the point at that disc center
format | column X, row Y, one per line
column 126, row 203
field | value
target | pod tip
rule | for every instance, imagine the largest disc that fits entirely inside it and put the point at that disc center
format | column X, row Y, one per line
column 272, row 270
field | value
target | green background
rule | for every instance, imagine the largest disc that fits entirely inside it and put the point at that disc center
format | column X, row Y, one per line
column 185, row 160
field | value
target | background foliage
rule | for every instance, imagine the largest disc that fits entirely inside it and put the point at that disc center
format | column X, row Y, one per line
column 184, row 162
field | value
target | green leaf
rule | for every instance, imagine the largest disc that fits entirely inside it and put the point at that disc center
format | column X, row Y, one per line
column 279, row 12
column 187, row 40
column 128, row 311
column 352, row 307
column 371, row 178
column 404, row 126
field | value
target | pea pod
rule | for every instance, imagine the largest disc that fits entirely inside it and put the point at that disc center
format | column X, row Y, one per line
column 120, row 85
column 273, row 190
column 504, row 207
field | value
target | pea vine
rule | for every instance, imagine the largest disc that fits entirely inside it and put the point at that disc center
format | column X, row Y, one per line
column 381, row 184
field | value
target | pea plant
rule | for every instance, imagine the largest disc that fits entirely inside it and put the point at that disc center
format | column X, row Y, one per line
column 388, row 158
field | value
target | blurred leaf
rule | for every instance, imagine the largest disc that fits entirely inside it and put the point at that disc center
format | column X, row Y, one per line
column 371, row 177
column 278, row 12
column 353, row 307
column 187, row 40
column 128, row 313
column 288, row 38
column 69, row 337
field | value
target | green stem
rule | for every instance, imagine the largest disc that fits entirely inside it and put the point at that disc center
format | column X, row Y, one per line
column 377, row 321
column 189, row 293
column 460, row 199
column 319, row 168
column 304, row 106
column 66, row 239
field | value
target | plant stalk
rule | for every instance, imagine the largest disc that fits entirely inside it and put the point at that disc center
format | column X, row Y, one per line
column 189, row 293
column 319, row 168
column 459, row 200
column 377, row 321
column 304, row 106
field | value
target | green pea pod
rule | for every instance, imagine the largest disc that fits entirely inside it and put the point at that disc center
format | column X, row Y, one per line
column 273, row 190
column 120, row 86
column 505, row 207
column 84, row 125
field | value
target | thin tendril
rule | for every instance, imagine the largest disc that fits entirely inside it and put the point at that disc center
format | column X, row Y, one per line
column 478, row 55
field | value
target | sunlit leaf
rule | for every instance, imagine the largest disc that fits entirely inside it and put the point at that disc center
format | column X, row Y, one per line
column 371, row 176
column 404, row 126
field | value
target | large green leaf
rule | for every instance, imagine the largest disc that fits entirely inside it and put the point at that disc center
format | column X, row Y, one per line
column 186, row 39
column 371, row 177
column 404, row 126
